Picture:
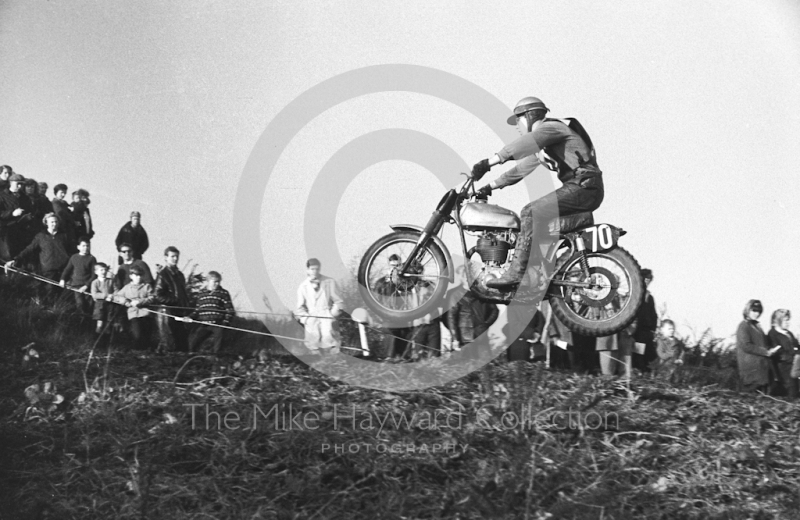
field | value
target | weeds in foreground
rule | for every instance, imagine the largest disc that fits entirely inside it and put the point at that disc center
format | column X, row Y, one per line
column 137, row 436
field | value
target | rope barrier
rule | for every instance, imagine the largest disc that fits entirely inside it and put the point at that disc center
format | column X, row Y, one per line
column 180, row 318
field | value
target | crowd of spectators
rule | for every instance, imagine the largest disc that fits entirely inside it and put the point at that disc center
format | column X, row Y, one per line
column 52, row 239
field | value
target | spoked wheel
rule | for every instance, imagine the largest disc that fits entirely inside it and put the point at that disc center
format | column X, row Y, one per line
column 610, row 300
column 401, row 299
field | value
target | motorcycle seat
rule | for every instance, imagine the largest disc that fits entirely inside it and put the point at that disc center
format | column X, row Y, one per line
column 569, row 223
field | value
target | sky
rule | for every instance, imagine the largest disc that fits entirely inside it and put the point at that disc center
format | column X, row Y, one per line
column 157, row 107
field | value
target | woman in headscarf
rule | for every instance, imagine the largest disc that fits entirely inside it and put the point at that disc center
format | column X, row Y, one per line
column 752, row 350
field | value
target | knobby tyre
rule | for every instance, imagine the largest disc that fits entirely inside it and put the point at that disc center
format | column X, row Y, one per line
column 574, row 320
column 373, row 263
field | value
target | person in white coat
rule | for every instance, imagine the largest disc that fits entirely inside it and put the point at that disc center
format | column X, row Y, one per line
column 318, row 306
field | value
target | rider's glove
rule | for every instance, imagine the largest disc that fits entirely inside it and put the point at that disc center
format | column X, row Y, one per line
column 485, row 191
column 480, row 169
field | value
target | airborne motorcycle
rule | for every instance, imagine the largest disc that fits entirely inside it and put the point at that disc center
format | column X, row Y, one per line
column 595, row 289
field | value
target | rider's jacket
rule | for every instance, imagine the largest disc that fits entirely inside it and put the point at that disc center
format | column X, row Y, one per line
column 562, row 145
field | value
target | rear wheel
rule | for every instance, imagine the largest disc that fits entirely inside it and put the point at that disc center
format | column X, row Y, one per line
column 401, row 299
column 612, row 298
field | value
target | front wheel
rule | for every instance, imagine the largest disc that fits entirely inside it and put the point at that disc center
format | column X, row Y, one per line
column 400, row 299
column 610, row 297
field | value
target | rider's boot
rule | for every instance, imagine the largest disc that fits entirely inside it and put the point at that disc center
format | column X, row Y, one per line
column 519, row 264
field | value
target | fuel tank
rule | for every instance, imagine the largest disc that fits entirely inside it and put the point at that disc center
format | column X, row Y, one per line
column 482, row 215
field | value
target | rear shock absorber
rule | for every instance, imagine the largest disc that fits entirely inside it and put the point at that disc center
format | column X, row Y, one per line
column 579, row 244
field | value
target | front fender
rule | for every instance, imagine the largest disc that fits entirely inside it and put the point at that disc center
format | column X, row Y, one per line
column 438, row 241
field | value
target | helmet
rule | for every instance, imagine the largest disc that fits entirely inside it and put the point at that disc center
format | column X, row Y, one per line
column 526, row 104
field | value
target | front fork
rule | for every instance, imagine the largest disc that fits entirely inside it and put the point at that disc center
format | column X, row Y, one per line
column 431, row 228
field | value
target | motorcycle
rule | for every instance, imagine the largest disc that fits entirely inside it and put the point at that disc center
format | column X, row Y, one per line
column 595, row 288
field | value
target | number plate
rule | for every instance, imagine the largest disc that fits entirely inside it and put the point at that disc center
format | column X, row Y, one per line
column 601, row 237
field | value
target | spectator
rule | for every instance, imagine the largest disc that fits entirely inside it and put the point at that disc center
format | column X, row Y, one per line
column 102, row 287
column 214, row 307
column 318, row 304
column 392, row 289
column 783, row 361
column 135, row 296
column 81, row 214
column 528, row 346
column 5, row 173
column 51, row 246
column 670, row 353
column 752, row 354
column 468, row 319
column 615, row 352
column 133, row 233
column 78, row 274
column 122, row 278
column 583, row 356
column 15, row 214
column 41, row 207
column 43, row 186
column 170, row 291
column 560, row 340
column 426, row 336
column 64, row 213
column 647, row 323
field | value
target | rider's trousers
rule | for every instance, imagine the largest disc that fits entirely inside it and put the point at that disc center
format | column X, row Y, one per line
column 582, row 193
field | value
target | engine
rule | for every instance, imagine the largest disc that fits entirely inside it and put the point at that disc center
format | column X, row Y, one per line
column 493, row 248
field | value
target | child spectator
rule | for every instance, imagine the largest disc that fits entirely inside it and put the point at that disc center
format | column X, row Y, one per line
column 102, row 288
column 214, row 307
column 79, row 272
column 670, row 352
column 134, row 296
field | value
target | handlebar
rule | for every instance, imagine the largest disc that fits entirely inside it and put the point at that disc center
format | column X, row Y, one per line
column 463, row 193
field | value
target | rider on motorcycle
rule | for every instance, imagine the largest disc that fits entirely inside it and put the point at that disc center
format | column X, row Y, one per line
column 563, row 146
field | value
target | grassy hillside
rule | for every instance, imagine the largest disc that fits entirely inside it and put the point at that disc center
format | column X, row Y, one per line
column 509, row 441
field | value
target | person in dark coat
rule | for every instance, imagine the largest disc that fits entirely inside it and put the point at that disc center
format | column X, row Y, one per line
column 51, row 248
column 81, row 214
column 752, row 352
column 40, row 207
column 16, row 212
column 646, row 326
column 5, row 172
column 783, row 360
column 528, row 346
column 391, row 289
column 468, row 319
column 169, row 293
column 134, row 234
column 64, row 213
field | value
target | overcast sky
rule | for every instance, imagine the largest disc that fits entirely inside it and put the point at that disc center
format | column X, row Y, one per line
column 156, row 106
